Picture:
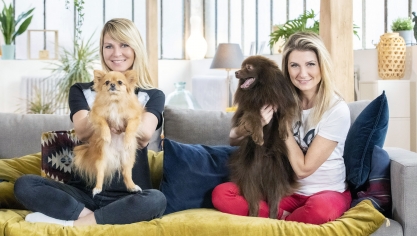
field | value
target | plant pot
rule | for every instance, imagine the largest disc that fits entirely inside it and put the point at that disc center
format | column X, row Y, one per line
column 7, row 52
column 407, row 35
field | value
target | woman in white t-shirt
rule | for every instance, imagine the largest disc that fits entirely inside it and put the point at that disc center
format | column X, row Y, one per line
column 315, row 143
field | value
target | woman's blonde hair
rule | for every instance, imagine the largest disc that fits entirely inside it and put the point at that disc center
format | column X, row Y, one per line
column 309, row 41
column 124, row 30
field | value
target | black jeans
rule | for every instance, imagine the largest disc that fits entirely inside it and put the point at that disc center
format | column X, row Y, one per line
column 65, row 202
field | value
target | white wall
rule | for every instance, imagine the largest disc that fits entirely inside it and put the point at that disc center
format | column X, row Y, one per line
column 367, row 63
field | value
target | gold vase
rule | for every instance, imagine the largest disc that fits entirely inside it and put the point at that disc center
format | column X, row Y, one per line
column 391, row 56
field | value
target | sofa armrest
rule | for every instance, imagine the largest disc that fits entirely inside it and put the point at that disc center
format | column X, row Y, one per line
column 404, row 188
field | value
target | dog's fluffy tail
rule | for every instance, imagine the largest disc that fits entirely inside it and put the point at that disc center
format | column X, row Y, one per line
column 84, row 165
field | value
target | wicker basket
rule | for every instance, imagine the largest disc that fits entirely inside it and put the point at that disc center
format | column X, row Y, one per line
column 391, row 56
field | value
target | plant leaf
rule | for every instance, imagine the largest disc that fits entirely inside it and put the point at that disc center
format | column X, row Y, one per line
column 22, row 27
column 24, row 15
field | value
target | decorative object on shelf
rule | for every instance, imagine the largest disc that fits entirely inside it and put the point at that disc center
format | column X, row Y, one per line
column 44, row 54
column 7, row 52
column 282, row 32
column 181, row 98
column 415, row 25
column 228, row 56
column 403, row 26
column 196, row 44
column 391, row 56
column 8, row 26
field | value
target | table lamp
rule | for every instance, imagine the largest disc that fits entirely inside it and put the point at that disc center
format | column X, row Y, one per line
column 228, row 56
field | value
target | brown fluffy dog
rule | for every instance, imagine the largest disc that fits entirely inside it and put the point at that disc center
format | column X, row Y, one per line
column 260, row 167
column 115, row 107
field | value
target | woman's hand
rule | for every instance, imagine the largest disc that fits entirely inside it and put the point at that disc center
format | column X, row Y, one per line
column 146, row 129
column 82, row 125
column 237, row 134
column 267, row 112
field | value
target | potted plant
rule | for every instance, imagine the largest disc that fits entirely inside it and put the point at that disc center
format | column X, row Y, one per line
column 284, row 31
column 8, row 26
column 73, row 67
column 41, row 102
column 403, row 26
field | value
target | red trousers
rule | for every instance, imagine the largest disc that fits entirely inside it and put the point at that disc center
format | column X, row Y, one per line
column 319, row 208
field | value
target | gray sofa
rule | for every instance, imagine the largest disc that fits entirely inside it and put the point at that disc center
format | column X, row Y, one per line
column 20, row 135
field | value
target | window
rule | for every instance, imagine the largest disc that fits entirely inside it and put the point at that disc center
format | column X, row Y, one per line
column 246, row 22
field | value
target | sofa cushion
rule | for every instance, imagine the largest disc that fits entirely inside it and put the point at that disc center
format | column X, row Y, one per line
column 378, row 186
column 10, row 170
column 155, row 160
column 362, row 219
column 369, row 129
column 197, row 126
column 57, row 154
column 20, row 132
column 191, row 171
column 356, row 108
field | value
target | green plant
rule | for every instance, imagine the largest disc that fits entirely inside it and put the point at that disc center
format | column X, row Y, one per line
column 291, row 26
column 400, row 24
column 8, row 23
column 74, row 67
column 299, row 24
column 79, row 8
column 42, row 102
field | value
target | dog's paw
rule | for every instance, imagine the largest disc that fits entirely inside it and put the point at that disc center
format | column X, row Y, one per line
column 96, row 191
column 258, row 139
column 106, row 137
column 135, row 189
column 128, row 145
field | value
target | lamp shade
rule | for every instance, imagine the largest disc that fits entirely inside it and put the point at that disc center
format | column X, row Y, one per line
column 228, row 56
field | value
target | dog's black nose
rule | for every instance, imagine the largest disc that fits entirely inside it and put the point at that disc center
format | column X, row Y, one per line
column 112, row 85
column 237, row 73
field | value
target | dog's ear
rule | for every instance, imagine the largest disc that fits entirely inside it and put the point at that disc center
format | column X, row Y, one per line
column 131, row 77
column 98, row 77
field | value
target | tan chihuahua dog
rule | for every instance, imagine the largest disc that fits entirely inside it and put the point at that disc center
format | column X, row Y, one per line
column 115, row 107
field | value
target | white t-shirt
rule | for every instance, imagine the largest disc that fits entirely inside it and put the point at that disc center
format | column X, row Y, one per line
column 334, row 125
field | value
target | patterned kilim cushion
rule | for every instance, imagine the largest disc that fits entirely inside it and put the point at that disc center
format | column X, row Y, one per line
column 57, row 154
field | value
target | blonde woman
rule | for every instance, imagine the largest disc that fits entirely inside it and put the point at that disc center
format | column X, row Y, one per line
column 72, row 204
column 315, row 143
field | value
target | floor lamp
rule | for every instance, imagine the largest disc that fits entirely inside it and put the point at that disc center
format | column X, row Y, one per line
column 228, row 56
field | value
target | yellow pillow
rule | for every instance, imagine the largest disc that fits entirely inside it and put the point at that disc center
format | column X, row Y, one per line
column 155, row 160
column 13, row 168
column 10, row 170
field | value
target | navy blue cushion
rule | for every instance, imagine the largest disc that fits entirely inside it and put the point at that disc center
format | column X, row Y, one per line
column 191, row 171
column 368, row 130
column 378, row 186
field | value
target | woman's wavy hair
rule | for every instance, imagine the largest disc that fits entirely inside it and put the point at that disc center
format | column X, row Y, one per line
column 309, row 41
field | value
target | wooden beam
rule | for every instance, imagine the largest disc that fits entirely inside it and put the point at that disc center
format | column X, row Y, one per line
column 152, row 38
column 336, row 30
